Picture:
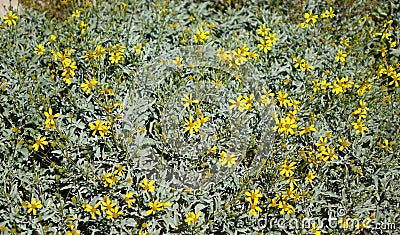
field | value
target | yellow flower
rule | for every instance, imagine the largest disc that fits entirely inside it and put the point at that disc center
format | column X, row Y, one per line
column 138, row 48
column 345, row 83
column 273, row 203
column 191, row 126
column 279, row 125
column 201, row 36
column 248, row 100
column 188, row 100
column 271, row 37
column 108, row 180
column 330, row 152
column 305, row 67
column 345, row 41
column 192, row 217
column 119, row 171
column 341, row 56
column 217, row 83
column 292, row 182
column 298, row 62
column 106, row 204
column 113, row 213
column 395, row 76
column 304, row 25
column 287, row 170
column 117, row 48
column 34, row 205
column 88, row 55
column 265, row 98
column 310, row 17
column 129, row 199
column 264, row 45
column 203, row 119
column 50, row 117
column 322, row 141
column 288, row 125
column 286, row 207
column 307, row 130
column 107, row 91
column 39, row 49
column 154, row 207
column 315, row 229
column 92, row 209
column 392, row 43
column 324, row 85
column 310, row 176
column 69, row 68
column 73, row 232
column 10, row 19
column 100, row 127
column 359, row 126
column 52, row 38
column 254, row 209
column 386, row 145
column 99, row 52
column 328, row 13
column 89, row 85
column 212, row 150
column 63, row 58
column 76, row 14
column 178, row 61
column 322, row 157
column 344, row 144
column 253, row 195
column 147, row 185
column 239, row 103
column 40, row 142
column 115, row 57
column 83, row 26
column 67, row 79
column 263, row 30
column 224, row 56
column 239, row 58
column 225, row 159
column 359, row 171
column 282, row 98
column 336, row 88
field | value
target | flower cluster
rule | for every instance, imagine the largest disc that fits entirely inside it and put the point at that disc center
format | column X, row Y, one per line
column 166, row 117
column 100, row 127
column 201, row 36
column 252, row 199
column 267, row 40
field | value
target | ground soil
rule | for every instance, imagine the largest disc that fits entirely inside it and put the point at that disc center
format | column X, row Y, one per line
column 5, row 4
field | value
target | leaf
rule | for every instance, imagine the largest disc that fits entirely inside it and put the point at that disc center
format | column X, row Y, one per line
column 198, row 208
column 395, row 52
column 24, row 152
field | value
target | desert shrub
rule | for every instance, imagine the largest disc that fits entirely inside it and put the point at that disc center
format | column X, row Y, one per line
column 193, row 117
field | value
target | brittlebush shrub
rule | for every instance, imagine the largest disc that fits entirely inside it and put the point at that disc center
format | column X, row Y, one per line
column 99, row 101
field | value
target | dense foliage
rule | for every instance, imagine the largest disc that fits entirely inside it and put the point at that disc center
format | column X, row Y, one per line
column 190, row 117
